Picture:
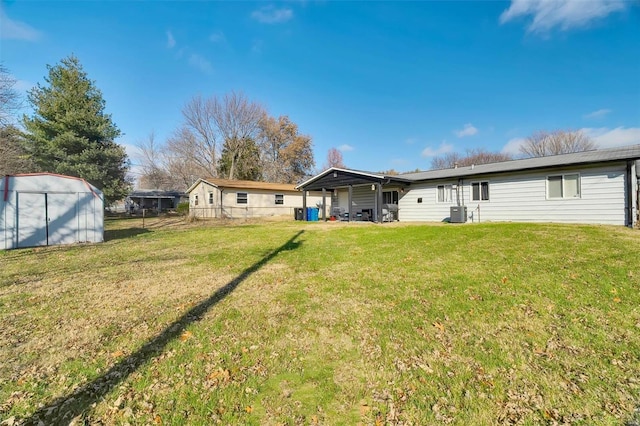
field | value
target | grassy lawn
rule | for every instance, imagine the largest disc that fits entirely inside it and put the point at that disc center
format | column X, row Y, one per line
column 296, row 323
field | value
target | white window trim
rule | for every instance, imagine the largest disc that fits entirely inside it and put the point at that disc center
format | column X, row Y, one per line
column 479, row 182
column 452, row 194
column 210, row 197
column 276, row 199
column 546, row 184
column 195, row 200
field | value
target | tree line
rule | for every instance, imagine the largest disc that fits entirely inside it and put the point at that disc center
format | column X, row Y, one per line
column 225, row 136
column 541, row 143
column 70, row 133
column 228, row 137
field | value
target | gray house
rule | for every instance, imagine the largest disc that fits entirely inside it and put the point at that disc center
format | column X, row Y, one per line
column 599, row 186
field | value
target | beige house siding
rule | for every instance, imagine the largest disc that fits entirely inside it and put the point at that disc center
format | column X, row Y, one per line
column 208, row 202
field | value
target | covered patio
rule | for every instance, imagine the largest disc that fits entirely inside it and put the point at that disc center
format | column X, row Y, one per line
column 356, row 195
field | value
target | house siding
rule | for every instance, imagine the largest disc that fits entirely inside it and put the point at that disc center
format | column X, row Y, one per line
column 523, row 197
column 260, row 202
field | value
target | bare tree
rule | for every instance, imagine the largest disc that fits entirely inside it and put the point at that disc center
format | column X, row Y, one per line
column 543, row 143
column 10, row 100
column 472, row 156
column 238, row 121
column 154, row 170
column 183, row 161
column 287, row 155
column 334, row 159
column 199, row 134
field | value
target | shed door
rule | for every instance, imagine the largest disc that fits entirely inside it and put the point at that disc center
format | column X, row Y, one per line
column 63, row 218
column 47, row 219
column 32, row 219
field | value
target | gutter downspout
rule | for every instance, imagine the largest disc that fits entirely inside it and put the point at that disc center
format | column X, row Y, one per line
column 221, row 191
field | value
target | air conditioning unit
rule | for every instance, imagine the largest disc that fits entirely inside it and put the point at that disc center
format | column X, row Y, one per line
column 458, row 214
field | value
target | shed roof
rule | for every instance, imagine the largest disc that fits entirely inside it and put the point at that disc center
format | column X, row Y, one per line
column 47, row 182
column 631, row 152
column 244, row 184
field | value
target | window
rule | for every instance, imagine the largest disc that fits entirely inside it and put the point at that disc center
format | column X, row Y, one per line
column 480, row 191
column 445, row 193
column 420, row 200
column 279, row 198
column 390, row 197
column 241, row 198
column 211, row 198
column 195, row 200
column 563, row 186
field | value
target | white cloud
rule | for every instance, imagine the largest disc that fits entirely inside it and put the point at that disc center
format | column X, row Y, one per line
column 218, row 37
column 442, row 149
column 610, row 138
column 467, row 130
column 199, row 62
column 16, row 30
column 513, row 146
column 171, row 42
column 565, row 14
column 272, row 15
column 411, row 141
column 597, row 114
column 345, row 148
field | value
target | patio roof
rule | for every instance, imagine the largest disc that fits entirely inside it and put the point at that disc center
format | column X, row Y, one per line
column 338, row 178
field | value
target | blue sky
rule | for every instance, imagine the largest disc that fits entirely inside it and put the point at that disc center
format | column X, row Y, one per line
column 390, row 84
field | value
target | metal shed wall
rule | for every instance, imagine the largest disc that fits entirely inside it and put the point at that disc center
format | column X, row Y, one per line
column 47, row 209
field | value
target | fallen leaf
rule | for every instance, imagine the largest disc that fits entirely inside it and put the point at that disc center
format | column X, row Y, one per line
column 248, row 409
column 117, row 354
column 364, row 409
column 157, row 419
column 439, row 326
column 616, row 299
column 186, row 335
column 504, row 280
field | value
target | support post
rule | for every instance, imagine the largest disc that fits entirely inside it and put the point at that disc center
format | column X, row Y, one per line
column 324, row 204
column 379, row 202
column 350, row 210
column 304, row 205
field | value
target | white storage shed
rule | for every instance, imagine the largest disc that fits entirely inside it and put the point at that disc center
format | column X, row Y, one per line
column 43, row 209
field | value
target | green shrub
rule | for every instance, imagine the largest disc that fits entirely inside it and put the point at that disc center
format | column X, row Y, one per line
column 183, row 209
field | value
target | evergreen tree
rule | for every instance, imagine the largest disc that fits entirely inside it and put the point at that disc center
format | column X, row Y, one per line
column 71, row 134
column 246, row 162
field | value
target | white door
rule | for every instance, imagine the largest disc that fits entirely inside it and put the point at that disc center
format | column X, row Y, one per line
column 47, row 219
column 32, row 219
column 62, row 218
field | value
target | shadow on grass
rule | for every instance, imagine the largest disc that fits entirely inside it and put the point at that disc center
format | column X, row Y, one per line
column 62, row 410
column 119, row 234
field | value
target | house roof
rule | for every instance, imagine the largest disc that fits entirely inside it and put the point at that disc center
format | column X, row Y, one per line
column 155, row 194
column 631, row 152
column 244, row 184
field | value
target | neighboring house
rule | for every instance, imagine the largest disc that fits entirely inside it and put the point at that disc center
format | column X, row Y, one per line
column 43, row 209
column 223, row 198
column 153, row 200
column 600, row 186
